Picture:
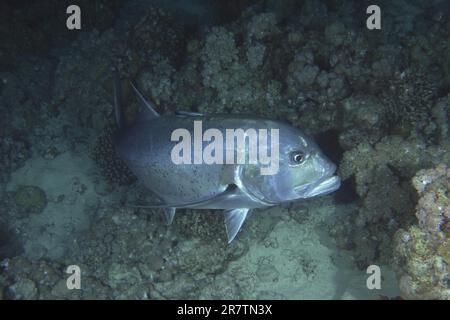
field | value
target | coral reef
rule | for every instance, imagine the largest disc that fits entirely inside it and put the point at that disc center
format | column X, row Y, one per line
column 379, row 101
column 423, row 250
column 381, row 175
column 369, row 115
column 157, row 33
column 409, row 99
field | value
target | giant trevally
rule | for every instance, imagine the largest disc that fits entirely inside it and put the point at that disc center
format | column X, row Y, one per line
column 146, row 147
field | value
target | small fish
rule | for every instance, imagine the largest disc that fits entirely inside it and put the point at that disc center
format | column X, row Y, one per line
column 146, row 146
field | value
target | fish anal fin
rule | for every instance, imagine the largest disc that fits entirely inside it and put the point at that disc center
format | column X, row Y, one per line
column 234, row 219
column 169, row 213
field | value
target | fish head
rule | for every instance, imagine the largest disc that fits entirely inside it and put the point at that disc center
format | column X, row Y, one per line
column 303, row 171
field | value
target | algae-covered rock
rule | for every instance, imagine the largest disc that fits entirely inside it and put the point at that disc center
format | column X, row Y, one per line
column 123, row 275
column 23, row 289
column 61, row 291
column 30, row 198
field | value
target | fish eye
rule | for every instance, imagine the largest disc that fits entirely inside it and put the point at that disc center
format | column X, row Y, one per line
column 297, row 157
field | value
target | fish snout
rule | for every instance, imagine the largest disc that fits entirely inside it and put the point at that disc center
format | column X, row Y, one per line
column 324, row 166
column 327, row 181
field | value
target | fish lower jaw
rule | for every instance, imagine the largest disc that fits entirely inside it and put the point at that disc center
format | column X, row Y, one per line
column 326, row 186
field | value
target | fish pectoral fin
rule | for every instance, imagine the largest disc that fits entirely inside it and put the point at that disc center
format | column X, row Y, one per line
column 234, row 219
column 149, row 111
column 169, row 213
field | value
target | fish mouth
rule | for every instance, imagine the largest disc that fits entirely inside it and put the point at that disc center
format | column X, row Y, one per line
column 324, row 186
column 327, row 183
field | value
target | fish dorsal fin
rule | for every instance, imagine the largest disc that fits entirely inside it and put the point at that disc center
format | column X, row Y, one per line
column 234, row 219
column 148, row 110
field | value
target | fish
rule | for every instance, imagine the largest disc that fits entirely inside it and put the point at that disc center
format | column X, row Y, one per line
column 146, row 146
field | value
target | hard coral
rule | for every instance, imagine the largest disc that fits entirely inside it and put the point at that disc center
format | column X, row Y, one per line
column 433, row 209
column 422, row 251
column 410, row 98
column 158, row 32
column 380, row 175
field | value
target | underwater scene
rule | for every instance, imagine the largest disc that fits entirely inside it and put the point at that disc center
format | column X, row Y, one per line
column 208, row 149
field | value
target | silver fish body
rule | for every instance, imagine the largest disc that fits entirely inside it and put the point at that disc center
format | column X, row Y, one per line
column 146, row 146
